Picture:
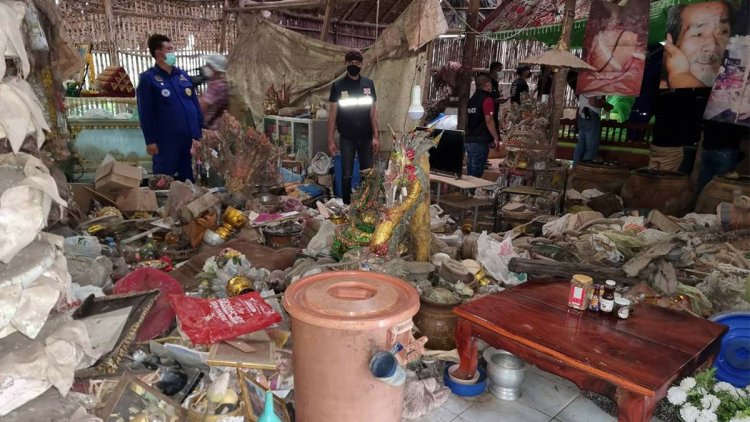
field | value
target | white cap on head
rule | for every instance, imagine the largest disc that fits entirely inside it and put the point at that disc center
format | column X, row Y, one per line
column 217, row 61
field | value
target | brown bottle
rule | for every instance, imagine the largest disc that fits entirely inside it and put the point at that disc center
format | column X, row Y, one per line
column 607, row 301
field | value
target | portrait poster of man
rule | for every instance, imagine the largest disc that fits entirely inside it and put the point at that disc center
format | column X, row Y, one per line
column 615, row 45
column 730, row 98
column 697, row 36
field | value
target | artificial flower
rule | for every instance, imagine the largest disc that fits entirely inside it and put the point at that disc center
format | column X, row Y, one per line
column 687, row 383
column 689, row 413
column 710, row 402
column 707, row 416
column 729, row 388
column 676, row 396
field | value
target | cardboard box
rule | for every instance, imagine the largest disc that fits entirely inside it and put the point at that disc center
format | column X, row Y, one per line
column 138, row 199
column 115, row 177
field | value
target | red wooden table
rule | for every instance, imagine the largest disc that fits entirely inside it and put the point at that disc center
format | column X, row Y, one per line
column 632, row 361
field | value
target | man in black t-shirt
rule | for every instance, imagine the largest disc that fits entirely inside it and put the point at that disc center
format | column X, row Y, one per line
column 721, row 150
column 519, row 86
column 496, row 70
column 481, row 132
column 354, row 115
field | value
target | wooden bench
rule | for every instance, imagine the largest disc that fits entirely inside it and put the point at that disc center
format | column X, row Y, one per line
column 632, row 361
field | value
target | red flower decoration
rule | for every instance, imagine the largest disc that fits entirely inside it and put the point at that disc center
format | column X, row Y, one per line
column 410, row 154
column 520, row 9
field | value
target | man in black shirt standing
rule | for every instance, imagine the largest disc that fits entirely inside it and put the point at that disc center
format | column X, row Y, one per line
column 520, row 86
column 496, row 70
column 481, row 132
column 354, row 115
column 721, row 150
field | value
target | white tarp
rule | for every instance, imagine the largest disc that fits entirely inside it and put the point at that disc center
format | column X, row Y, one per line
column 266, row 53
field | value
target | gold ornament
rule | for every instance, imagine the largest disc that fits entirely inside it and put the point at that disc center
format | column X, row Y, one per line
column 233, row 220
column 239, row 285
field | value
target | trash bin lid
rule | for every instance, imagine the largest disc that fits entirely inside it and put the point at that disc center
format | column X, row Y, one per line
column 351, row 300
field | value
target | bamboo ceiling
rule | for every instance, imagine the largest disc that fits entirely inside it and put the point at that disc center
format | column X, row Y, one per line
column 189, row 23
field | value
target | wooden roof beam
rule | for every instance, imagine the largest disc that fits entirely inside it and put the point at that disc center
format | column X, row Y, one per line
column 254, row 6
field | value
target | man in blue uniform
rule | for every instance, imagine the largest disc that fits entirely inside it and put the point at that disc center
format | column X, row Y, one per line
column 171, row 118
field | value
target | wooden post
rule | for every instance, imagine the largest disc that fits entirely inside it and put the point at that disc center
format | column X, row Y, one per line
column 467, row 62
column 559, row 80
column 224, row 24
column 326, row 20
column 111, row 33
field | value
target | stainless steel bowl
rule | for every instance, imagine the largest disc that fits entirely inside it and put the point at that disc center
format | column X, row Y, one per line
column 506, row 373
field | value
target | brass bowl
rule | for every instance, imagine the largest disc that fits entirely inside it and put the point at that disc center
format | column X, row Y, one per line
column 239, row 285
column 234, row 218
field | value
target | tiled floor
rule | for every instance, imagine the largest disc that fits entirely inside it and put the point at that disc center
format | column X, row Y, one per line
column 545, row 398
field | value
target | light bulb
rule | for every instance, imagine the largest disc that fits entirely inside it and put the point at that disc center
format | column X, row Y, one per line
column 416, row 111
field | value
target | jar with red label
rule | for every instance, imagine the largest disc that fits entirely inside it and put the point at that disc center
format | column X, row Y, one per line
column 580, row 291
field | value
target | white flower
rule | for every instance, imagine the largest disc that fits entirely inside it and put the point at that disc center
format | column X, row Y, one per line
column 710, row 402
column 742, row 419
column 707, row 416
column 729, row 388
column 689, row 413
column 687, row 384
column 676, row 396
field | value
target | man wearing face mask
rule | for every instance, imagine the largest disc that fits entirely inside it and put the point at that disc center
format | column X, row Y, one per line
column 171, row 118
column 216, row 98
column 354, row 115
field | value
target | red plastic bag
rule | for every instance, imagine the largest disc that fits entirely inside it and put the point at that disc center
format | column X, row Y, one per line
column 206, row 321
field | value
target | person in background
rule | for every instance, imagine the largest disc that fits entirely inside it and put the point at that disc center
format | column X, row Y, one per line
column 589, row 127
column 544, row 86
column 496, row 73
column 354, row 115
column 721, row 150
column 481, row 132
column 171, row 119
column 216, row 98
column 519, row 86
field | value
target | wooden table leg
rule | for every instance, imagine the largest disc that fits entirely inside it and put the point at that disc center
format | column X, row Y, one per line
column 633, row 407
column 467, row 350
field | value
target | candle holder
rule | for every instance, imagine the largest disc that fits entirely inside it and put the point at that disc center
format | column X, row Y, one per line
column 233, row 220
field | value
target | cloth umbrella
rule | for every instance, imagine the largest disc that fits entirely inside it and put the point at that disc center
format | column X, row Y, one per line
column 558, row 57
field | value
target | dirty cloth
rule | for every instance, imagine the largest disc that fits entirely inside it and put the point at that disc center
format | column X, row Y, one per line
column 423, row 396
column 31, row 367
column 392, row 61
column 665, row 158
column 21, row 113
column 11, row 37
column 24, row 208
column 26, row 308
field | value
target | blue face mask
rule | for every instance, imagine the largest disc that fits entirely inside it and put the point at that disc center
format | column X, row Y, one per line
column 170, row 58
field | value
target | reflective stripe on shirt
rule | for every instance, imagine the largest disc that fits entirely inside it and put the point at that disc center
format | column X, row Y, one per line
column 355, row 102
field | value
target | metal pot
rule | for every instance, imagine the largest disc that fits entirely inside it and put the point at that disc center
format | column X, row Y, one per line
column 506, row 373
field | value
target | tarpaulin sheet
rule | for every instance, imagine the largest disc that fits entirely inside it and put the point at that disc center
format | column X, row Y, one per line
column 266, row 53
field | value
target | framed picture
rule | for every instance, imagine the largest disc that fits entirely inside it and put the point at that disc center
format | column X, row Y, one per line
column 134, row 400
column 254, row 396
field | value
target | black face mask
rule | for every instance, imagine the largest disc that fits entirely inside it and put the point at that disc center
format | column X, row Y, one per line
column 353, row 69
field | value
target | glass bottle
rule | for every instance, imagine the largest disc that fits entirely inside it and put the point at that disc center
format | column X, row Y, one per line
column 580, row 291
column 607, row 302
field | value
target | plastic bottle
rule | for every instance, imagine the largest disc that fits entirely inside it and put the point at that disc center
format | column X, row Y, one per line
column 268, row 414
